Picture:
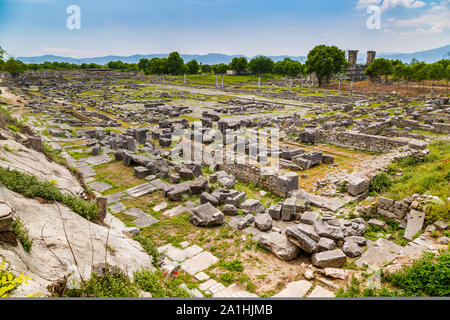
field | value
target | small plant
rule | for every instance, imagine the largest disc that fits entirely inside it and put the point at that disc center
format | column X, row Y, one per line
column 150, row 247
column 8, row 281
column 227, row 278
column 250, row 287
column 234, row 265
column 21, row 232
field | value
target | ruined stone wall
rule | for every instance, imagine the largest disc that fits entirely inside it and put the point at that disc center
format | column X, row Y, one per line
column 360, row 140
column 278, row 184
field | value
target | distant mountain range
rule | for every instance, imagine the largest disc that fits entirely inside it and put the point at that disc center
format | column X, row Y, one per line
column 210, row 58
column 216, row 58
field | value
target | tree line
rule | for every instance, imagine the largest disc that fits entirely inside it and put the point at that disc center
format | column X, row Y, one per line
column 322, row 61
column 415, row 71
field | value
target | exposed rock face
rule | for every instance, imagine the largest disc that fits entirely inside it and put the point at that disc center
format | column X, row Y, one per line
column 50, row 258
column 279, row 245
column 207, row 215
column 35, row 163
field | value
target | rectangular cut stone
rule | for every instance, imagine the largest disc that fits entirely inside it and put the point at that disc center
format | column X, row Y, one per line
column 297, row 289
column 382, row 251
column 140, row 190
column 117, row 207
column 414, row 224
column 199, row 262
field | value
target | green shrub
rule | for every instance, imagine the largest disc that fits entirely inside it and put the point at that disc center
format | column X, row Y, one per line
column 227, row 278
column 31, row 187
column 21, row 231
column 428, row 276
column 234, row 265
column 113, row 284
column 150, row 247
column 158, row 286
column 380, row 183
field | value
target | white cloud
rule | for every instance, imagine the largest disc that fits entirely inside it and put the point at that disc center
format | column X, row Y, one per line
column 434, row 20
column 390, row 4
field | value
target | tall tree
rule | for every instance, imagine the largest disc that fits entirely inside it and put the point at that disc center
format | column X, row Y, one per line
column 175, row 63
column 143, row 65
column 192, row 67
column 158, row 66
column 324, row 61
column 260, row 65
column 239, row 64
column 379, row 67
column 220, row 68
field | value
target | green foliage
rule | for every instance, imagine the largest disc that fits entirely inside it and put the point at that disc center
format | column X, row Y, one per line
column 8, row 281
column 114, row 283
column 175, row 64
column 379, row 67
column 158, row 286
column 150, row 247
column 380, row 182
column 234, row 265
column 192, row 67
column 428, row 276
column 13, row 67
column 260, row 65
column 227, row 278
column 239, row 64
column 21, row 232
column 288, row 67
column 31, row 187
column 324, row 61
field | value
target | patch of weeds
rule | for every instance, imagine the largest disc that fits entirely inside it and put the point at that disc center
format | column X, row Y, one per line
column 21, row 232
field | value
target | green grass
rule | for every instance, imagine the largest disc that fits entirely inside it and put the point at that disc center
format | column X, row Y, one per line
column 31, row 187
column 431, row 176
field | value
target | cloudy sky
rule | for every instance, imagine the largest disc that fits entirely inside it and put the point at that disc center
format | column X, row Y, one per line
column 249, row 27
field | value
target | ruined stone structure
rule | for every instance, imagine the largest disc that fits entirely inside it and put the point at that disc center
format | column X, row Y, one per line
column 361, row 141
column 279, row 184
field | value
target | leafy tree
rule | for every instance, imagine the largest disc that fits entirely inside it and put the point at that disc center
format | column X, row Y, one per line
column 324, row 61
column 239, row 64
column 158, row 66
column 288, row 67
column 220, row 68
column 175, row 63
column 192, row 67
column 447, row 75
column 206, row 68
column 260, row 65
column 436, row 71
column 399, row 72
column 143, row 65
column 2, row 53
column 13, row 67
column 421, row 72
column 379, row 67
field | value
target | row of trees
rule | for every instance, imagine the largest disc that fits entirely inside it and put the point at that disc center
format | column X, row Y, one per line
column 415, row 71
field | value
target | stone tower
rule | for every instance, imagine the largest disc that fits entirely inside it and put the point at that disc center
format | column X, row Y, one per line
column 352, row 56
column 370, row 57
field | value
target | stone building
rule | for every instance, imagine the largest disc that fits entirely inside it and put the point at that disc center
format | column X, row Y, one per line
column 356, row 71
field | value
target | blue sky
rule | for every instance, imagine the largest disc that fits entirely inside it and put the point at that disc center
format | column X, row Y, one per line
column 249, row 27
